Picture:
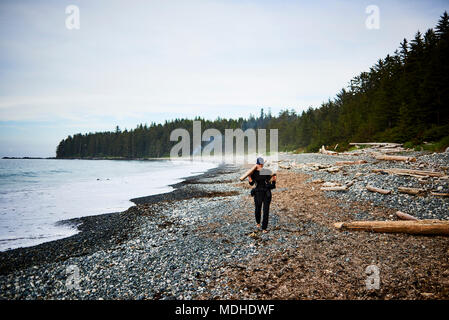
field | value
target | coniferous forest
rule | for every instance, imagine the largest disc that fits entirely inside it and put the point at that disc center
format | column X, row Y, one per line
column 402, row 98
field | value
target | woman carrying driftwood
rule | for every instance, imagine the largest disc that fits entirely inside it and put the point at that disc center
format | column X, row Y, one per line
column 265, row 181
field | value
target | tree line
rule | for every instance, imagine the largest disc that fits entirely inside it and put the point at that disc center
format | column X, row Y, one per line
column 402, row 98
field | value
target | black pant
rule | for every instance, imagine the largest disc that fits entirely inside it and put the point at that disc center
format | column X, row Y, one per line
column 262, row 197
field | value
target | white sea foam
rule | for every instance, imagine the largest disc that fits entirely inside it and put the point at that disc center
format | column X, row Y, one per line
column 36, row 194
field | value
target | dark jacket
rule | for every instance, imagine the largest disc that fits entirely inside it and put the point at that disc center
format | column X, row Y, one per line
column 262, row 181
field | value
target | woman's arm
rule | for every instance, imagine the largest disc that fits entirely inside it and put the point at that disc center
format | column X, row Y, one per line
column 272, row 185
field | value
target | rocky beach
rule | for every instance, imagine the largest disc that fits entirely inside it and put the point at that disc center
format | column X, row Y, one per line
column 200, row 240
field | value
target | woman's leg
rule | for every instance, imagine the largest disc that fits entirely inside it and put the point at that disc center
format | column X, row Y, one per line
column 266, row 211
column 258, row 206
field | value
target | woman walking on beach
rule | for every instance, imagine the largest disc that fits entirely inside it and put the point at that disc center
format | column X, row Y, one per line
column 262, row 192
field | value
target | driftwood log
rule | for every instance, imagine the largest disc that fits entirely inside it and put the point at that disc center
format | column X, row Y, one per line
column 336, row 188
column 332, row 169
column 439, row 194
column 405, row 216
column 412, row 191
column 378, row 190
column 342, row 163
column 324, row 151
column 430, row 227
column 331, row 184
column 394, row 158
column 388, row 150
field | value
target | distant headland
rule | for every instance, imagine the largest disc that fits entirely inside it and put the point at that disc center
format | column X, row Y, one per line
column 32, row 158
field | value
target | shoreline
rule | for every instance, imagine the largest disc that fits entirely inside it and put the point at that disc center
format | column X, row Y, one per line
column 96, row 232
column 56, row 191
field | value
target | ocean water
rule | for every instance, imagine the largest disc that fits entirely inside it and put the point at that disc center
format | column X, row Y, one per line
column 36, row 194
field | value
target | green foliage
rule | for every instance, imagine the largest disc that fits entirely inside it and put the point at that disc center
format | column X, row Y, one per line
column 435, row 133
column 437, row 146
column 409, row 145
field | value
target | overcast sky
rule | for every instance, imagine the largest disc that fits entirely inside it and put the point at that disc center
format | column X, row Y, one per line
column 158, row 60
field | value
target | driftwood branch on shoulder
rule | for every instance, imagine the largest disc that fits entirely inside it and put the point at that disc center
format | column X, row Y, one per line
column 248, row 173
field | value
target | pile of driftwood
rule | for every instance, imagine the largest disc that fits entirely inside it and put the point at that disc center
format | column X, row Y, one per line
column 319, row 167
column 413, row 173
column 283, row 164
column 333, row 186
column 379, row 150
column 385, row 152
column 382, row 147
column 421, row 174
column 407, row 190
column 324, row 151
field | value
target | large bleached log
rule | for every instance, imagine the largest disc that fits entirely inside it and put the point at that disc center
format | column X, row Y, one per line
column 412, row 191
column 430, row 227
column 405, row 216
column 248, row 173
column 411, row 172
column 336, row 188
column 394, row 158
column 378, row 190
column 331, row 184
column 342, row 163
column 390, row 150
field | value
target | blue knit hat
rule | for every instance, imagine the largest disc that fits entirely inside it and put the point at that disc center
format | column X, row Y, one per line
column 260, row 160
